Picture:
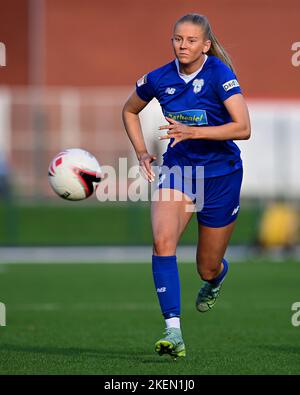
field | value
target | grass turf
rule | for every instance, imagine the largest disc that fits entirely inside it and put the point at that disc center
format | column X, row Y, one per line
column 105, row 319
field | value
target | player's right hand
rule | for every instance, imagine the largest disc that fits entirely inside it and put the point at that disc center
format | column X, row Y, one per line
column 145, row 161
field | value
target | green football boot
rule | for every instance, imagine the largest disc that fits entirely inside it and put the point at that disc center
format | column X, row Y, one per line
column 207, row 297
column 172, row 344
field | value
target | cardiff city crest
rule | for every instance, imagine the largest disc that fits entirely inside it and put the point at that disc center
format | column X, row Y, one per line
column 197, row 84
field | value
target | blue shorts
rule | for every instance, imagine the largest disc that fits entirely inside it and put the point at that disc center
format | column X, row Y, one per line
column 216, row 199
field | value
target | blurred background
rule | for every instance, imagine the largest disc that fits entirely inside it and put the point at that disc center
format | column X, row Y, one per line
column 69, row 67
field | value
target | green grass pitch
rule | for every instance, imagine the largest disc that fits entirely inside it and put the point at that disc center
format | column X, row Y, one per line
column 105, row 319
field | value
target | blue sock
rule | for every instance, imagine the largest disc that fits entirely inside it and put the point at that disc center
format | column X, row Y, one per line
column 166, row 280
column 217, row 280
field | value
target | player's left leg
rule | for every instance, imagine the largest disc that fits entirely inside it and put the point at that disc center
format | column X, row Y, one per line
column 211, row 265
column 216, row 221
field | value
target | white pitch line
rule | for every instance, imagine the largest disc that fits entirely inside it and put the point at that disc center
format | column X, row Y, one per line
column 80, row 306
column 124, row 254
column 93, row 307
column 117, row 254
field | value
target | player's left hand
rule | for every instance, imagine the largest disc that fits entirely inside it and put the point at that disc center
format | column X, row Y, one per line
column 176, row 130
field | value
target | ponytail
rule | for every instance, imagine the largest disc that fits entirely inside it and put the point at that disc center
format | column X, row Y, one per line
column 216, row 49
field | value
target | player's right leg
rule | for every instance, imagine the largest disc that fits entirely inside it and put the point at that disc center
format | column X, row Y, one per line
column 169, row 218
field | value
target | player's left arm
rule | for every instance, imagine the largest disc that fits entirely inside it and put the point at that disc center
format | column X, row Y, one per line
column 238, row 129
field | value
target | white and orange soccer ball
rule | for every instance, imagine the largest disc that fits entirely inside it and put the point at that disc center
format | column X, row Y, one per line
column 74, row 174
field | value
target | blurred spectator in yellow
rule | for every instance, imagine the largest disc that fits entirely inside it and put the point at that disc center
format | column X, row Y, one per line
column 279, row 225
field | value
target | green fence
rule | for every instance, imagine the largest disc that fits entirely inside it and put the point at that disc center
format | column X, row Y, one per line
column 78, row 223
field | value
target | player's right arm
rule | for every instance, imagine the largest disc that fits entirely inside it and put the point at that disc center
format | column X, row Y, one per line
column 131, row 109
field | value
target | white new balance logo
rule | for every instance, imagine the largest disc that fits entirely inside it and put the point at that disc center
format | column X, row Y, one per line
column 161, row 290
column 170, row 91
column 235, row 210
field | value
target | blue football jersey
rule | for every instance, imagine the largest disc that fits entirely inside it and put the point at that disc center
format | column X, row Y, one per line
column 196, row 103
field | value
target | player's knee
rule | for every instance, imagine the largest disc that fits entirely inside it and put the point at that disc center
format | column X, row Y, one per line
column 164, row 245
column 208, row 273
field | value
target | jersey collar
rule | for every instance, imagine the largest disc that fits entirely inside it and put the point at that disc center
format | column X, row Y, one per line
column 188, row 77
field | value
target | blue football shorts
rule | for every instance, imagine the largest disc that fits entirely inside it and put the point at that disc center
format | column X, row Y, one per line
column 216, row 199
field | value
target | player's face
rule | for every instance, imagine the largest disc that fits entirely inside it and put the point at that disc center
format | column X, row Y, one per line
column 189, row 43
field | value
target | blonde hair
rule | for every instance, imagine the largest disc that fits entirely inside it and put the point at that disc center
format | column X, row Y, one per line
column 216, row 49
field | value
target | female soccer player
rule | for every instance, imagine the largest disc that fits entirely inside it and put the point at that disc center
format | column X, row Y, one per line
column 201, row 99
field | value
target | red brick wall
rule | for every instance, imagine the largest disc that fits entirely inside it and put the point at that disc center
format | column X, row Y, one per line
column 97, row 42
column 14, row 34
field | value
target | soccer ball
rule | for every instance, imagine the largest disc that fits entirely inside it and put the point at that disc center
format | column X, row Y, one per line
column 74, row 174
